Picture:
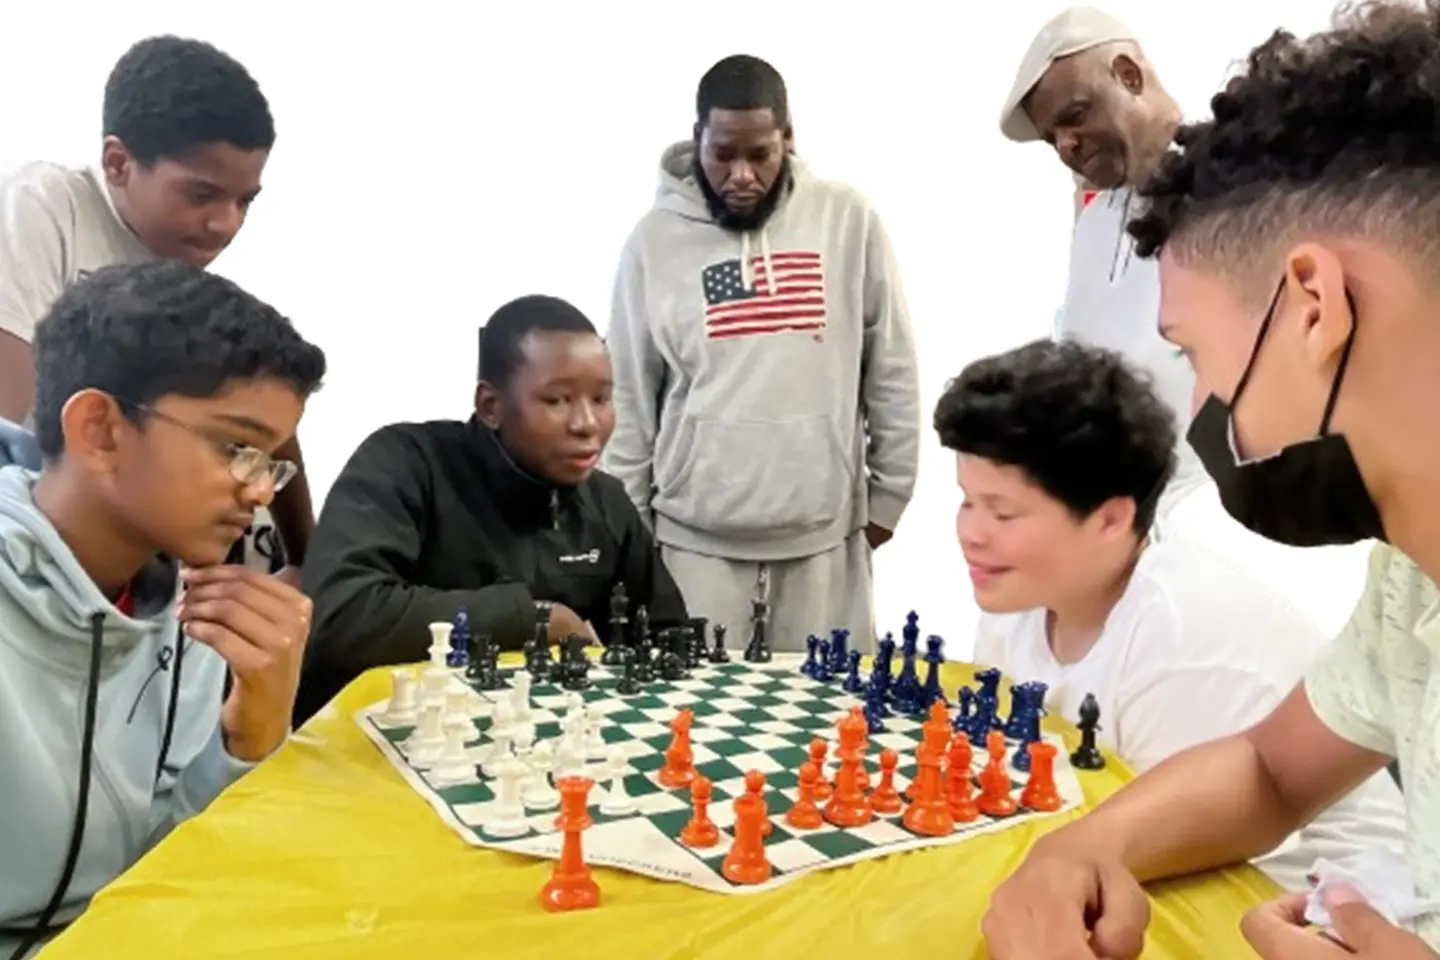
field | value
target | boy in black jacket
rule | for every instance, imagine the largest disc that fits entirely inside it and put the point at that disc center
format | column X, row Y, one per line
column 498, row 514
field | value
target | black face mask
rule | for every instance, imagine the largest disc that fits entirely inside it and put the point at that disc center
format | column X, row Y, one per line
column 1309, row 494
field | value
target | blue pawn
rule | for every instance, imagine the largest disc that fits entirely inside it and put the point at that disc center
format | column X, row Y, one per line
column 875, row 710
column 885, row 654
column 839, row 649
column 931, row 691
column 877, row 692
column 812, row 648
column 964, row 711
column 852, row 682
column 822, row 671
column 459, row 654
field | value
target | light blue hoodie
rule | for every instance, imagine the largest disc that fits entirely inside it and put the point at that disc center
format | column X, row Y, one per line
column 758, row 427
column 51, row 614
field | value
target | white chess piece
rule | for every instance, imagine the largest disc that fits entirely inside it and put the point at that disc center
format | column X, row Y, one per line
column 501, row 753
column 569, row 762
column 523, row 740
column 404, row 698
column 595, row 748
column 538, row 793
column 502, row 719
column 617, row 802
column 520, row 695
column 440, row 643
column 572, row 734
column 507, row 819
column 454, row 764
column 426, row 742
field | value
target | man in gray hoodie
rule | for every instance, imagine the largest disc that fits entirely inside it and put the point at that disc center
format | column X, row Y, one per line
column 767, row 396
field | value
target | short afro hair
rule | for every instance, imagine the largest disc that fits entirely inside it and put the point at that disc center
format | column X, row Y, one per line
column 168, row 96
column 503, row 336
column 1082, row 424
column 1336, row 133
column 144, row 331
column 742, row 82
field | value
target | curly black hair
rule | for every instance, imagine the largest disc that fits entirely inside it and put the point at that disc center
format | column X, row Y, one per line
column 1083, row 425
column 1338, row 131
column 501, row 338
column 159, row 328
column 168, row 95
column 742, row 82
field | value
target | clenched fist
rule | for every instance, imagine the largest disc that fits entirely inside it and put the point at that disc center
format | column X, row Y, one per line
column 259, row 625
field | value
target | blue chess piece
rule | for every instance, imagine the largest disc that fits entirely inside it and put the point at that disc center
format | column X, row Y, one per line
column 852, row 682
column 885, row 653
column 1019, row 708
column 911, row 633
column 812, row 650
column 875, row 709
column 964, row 711
column 877, row 691
column 931, row 692
column 459, row 654
column 1028, row 727
column 839, row 649
column 821, row 671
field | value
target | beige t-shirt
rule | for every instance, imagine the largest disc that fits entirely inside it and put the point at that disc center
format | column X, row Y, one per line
column 1378, row 685
column 56, row 225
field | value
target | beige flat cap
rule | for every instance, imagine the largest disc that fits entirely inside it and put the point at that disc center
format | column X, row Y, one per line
column 1074, row 30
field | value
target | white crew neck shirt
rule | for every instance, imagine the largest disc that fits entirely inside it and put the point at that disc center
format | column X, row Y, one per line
column 1194, row 650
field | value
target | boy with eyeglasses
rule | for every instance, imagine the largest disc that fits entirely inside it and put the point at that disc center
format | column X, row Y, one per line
column 162, row 394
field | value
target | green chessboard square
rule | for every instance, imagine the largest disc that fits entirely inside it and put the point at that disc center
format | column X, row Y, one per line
column 813, row 723
column 467, row 793
column 396, row 734
column 836, row 843
column 717, row 770
column 729, row 747
column 648, row 762
column 703, row 708
column 621, row 718
column 751, row 716
column 639, row 785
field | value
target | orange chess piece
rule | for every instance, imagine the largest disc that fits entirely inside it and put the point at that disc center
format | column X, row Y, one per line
column 885, row 798
column 746, row 862
column 928, row 814
column 957, row 780
column 679, row 767
column 803, row 813
column 1040, row 793
column 995, row 799
column 823, row 787
column 848, row 805
column 571, row 887
column 701, row 830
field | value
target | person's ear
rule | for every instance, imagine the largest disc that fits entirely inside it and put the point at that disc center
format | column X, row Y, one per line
column 1316, row 297
column 93, row 427
column 1128, row 72
column 488, row 404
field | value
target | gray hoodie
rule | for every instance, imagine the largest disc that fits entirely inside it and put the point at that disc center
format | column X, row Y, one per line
column 758, row 423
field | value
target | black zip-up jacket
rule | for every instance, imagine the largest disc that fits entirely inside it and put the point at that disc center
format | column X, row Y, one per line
column 427, row 518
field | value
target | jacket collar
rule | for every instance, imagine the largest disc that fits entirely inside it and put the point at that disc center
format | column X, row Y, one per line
column 516, row 489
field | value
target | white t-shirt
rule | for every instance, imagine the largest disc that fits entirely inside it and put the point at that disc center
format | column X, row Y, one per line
column 1194, row 650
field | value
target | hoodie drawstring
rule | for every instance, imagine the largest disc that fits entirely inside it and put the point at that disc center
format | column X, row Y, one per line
column 747, row 270
column 82, row 803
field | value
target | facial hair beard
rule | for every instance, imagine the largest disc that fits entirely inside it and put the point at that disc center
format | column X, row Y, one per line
column 750, row 219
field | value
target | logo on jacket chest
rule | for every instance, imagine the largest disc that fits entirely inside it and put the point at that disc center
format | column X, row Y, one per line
column 779, row 292
column 591, row 556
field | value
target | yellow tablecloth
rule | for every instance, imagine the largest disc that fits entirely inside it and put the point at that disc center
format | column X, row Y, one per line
column 324, row 852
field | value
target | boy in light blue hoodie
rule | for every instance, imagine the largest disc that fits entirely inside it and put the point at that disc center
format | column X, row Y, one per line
column 161, row 393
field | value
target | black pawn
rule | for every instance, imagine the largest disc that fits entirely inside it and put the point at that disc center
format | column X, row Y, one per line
column 695, row 649
column 628, row 685
column 575, row 674
column 718, row 653
column 1088, row 756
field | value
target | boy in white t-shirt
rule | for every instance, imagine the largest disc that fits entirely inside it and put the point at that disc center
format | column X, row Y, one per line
column 1062, row 451
column 187, row 133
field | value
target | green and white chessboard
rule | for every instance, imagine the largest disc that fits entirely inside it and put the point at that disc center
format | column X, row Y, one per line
column 746, row 717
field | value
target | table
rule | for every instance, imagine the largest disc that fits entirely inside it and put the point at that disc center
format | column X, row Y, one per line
column 323, row 853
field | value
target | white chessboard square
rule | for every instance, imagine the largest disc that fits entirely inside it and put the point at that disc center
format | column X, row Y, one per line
column 778, row 728
column 645, row 730
column 709, row 734
column 662, row 802
column 787, row 711
column 727, row 705
column 794, row 854
column 881, row 831
column 679, row 698
column 694, row 683
column 702, row 753
column 754, row 761
column 738, row 691
column 899, row 742
column 606, row 707
column 765, row 741
column 723, row 720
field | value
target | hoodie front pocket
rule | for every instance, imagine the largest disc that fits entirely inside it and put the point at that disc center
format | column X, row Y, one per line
column 757, row 479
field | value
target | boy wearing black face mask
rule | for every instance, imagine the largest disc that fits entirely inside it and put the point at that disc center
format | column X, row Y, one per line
column 1331, row 186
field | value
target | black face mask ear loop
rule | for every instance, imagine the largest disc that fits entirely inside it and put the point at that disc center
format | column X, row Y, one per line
column 1340, row 369
column 77, row 833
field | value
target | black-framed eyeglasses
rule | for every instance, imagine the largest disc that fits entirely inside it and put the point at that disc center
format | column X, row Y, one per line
column 248, row 465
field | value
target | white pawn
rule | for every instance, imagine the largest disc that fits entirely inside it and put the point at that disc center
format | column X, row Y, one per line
column 538, row 793
column 507, row 819
column 404, row 699
column 617, row 802
column 572, row 733
column 568, row 761
column 454, row 765
column 502, row 753
column 595, row 748
column 520, row 695
column 502, row 719
column 428, row 740
column 523, row 740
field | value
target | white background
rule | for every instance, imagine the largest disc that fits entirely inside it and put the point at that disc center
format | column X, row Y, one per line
column 434, row 162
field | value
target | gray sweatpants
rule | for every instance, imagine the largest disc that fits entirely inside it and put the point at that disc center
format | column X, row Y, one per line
column 831, row 590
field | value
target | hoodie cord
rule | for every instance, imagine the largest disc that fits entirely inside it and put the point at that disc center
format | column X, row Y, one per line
column 747, row 269
column 174, row 704
column 82, row 804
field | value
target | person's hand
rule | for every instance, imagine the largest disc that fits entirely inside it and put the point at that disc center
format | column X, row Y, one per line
column 260, row 626
column 1062, row 905
column 1278, row 931
column 290, row 576
column 877, row 536
column 565, row 622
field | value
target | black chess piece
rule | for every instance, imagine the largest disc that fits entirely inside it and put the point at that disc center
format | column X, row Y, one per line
column 538, row 661
column 629, row 685
column 695, row 649
column 619, row 626
column 1088, row 756
column 679, row 640
column 718, row 653
column 489, row 676
column 575, row 674
column 758, row 650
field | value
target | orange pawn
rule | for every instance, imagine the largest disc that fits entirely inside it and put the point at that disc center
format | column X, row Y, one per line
column 701, row 830
column 885, row 798
column 995, row 799
column 571, row 887
column 746, row 862
column 928, row 814
column 679, row 767
column 803, row 813
column 1040, row 793
column 957, row 780
column 823, row 787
